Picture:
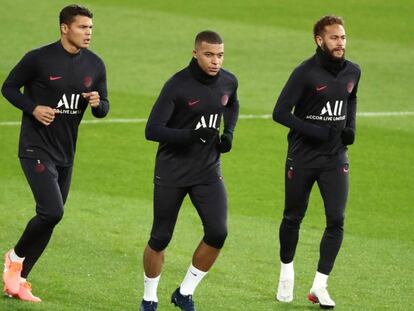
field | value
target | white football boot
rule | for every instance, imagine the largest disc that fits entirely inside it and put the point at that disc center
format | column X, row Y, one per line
column 285, row 290
column 320, row 295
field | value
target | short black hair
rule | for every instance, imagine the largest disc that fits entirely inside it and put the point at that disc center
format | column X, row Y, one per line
column 208, row 36
column 68, row 13
column 327, row 20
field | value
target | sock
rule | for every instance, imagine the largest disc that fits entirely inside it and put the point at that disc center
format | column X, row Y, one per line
column 191, row 280
column 287, row 271
column 321, row 280
column 150, row 288
column 13, row 257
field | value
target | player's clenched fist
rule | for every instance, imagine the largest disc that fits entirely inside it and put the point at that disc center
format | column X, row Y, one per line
column 44, row 114
column 93, row 98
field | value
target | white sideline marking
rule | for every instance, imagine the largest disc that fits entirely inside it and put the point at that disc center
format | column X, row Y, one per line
column 242, row 116
column 385, row 114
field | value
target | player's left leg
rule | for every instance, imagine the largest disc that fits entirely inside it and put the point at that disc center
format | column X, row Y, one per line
column 334, row 186
column 211, row 203
column 64, row 177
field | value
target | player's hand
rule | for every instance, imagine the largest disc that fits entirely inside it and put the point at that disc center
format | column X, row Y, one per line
column 93, row 98
column 225, row 144
column 320, row 133
column 204, row 135
column 348, row 136
column 44, row 114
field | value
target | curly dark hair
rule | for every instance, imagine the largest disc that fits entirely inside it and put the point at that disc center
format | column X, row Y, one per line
column 326, row 20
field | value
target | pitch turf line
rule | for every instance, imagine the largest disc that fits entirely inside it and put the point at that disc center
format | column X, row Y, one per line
column 242, row 116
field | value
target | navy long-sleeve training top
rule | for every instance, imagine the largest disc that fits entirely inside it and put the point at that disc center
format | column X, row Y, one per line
column 188, row 101
column 53, row 77
column 323, row 95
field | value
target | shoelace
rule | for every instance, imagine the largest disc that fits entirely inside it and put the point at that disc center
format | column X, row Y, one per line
column 27, row 285
column 285, row 283
column 188, row 301
column 15, row 266
column 149, row 306
column 325, row 296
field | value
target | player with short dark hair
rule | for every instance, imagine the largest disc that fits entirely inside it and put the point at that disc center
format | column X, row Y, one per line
column 185, row 120
column 208, row 36
column 68, row 14
column 322, row 91
column 60, row 81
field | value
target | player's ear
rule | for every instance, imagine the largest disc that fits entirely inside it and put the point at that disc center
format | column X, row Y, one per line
column 318, row 40
column 63, row 28
column 195, row 53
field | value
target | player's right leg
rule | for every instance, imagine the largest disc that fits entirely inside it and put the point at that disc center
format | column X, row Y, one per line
column 167, row 203
column 42, row 177
column 319, row 292
column 210, row 200
column 298, row 184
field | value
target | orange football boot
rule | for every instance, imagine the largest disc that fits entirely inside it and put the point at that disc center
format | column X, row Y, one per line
column 11, row 275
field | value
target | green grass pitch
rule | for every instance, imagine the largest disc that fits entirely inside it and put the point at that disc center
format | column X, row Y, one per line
column 94, row 260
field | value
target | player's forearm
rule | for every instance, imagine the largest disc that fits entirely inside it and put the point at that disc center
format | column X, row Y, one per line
column 163, row 134
column 102, row 110
column 230, row 117
column 289, row 120
column 16, row 98
column 351, row 113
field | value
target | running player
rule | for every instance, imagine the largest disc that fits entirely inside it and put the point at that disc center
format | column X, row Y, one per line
column 322, row 91
column 60, row 81
column 185, row 120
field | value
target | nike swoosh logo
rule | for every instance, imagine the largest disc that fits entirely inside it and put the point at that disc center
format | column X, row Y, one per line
column 203, row 140
column 52, row 78
column 193, row 273
column 193, row 102
column 320, row 88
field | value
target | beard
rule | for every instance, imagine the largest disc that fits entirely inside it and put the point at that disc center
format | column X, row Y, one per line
column 331, row 52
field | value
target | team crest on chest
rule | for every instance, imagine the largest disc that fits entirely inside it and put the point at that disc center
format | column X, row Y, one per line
column 350, row 86
column 224, row 99
column 87, row 81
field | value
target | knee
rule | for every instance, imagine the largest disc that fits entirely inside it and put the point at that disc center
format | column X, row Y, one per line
column 216, row 238
column 160, row 240
column 52, row 219
column 291, row 222
column 335, row 222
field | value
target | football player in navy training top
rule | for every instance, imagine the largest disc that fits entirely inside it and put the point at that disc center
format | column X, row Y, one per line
column 322, row 91
column 185, row 120
column 60, row 81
